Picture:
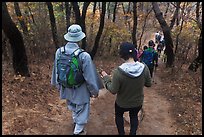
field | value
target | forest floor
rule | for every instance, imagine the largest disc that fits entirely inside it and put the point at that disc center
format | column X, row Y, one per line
column 31, row 106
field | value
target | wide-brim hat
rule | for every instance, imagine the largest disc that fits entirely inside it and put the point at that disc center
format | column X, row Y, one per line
column 74, row 34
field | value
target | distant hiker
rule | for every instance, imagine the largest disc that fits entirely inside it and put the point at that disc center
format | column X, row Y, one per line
column 127, row 83
column 150, row 57
column 159, row 48
column 157, row 37
column 162, row 41
column 140, row 52
column 78, row 96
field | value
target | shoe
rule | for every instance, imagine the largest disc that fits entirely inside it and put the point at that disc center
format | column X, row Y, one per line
column 83, row 132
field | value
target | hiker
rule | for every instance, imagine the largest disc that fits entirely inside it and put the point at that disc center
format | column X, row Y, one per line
column 78, row 98
column 140, row 52
column 127, row 83
column 162, row 41
column 150, row 57
column 157, row 37
column 159, row 49
column 144, row 48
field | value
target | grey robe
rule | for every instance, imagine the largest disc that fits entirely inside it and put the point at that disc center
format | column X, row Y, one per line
column 92, row 82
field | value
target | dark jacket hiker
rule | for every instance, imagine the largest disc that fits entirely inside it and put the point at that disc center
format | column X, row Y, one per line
column 150, row 57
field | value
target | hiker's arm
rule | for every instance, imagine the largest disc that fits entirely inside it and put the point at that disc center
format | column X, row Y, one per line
column 90, row 75
column 54, row 71
column 148, row 82
column 111, row 85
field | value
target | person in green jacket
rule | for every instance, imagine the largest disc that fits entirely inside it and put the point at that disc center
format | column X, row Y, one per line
column 127, row 83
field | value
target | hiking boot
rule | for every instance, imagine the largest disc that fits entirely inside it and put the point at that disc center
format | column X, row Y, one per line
column 83, row 132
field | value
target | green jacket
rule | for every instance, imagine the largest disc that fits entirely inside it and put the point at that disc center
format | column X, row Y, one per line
column 128, row 82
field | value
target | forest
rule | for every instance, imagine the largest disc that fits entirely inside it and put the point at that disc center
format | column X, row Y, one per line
column 33, row 31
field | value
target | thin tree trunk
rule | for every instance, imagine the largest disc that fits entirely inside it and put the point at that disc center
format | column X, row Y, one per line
column 167, row 8
column 108, row 10
column 134, row 39
column 92, row 23
column 20, row 63
column 198, row 15
column 175, row 15
column 29, row 9
column 53, row 24
column 181, row 27
column 68, row 13
column 123, row 9
column 83, row 24
column 114, row 11
column 77, row 13
column 20, row 18
column 198, row 61
column 143, row 28
column 98, row 36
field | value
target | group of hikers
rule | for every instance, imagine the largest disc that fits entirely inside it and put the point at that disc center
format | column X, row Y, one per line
column 78, row 82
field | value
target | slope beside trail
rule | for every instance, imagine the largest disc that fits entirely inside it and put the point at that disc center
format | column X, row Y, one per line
column 157, row 118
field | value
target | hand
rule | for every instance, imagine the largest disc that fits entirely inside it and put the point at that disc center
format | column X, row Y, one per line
column 103, row 73
column 94, row 96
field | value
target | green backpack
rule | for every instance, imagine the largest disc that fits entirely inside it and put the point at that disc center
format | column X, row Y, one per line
column 69, row 69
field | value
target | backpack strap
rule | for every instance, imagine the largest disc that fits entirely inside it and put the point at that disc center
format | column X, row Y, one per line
column 76, row 53
column 62, row 49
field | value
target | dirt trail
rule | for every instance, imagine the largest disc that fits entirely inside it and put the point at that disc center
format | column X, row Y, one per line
column 157, row 115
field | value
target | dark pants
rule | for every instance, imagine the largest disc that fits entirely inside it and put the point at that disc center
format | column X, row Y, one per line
column 151, row 69
column 133, row 114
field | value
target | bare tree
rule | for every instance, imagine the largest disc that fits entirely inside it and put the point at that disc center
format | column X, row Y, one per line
column 197, row 61
column 20, row 63
column 114, row 11
column 175, row 15
column 143, row 27
column 20, row 18
column 167, row 34
column 134, row 39
column 68, row 13
column 53, row 24
column 198, row 16
column 80, row 19
column 98, row 36
column 30, row 12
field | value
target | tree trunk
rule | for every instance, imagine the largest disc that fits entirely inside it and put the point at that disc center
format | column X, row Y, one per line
column 68, row 13
column 53, row 24
column 77, row 13
column 143, row 28
column 198, row 61
column 30, row 12
column 92, row 23
column 98, row 36
column 20, row 63
column 20, row 18
column 175, row 15
column 167, row 8
column 167, row 35
column 83, row 23
column 109, row 13
column 114, row 11
column 80, row 19
column 198, row 15
column 134, row 39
